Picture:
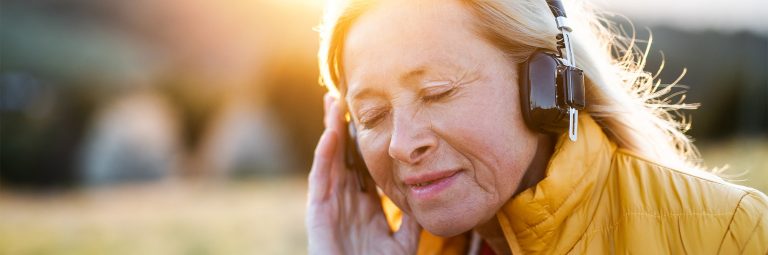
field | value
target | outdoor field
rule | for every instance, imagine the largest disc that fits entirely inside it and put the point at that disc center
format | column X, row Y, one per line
column 257, row 216
column 188, row 126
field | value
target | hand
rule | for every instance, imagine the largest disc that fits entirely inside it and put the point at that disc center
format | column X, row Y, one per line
column 341, row 219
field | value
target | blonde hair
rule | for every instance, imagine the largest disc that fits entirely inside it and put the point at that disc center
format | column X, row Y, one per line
column 632, row 107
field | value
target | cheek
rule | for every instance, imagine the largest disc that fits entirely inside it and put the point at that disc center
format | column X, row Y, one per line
column 492, row 137
column 381, row 167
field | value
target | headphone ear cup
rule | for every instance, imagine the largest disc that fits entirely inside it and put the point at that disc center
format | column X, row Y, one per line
column 353, row 158
column 539, row 93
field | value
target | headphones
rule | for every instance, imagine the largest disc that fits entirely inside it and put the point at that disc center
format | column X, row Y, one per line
column 551, row 94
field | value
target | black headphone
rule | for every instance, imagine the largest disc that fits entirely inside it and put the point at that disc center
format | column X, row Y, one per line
column 551, row 94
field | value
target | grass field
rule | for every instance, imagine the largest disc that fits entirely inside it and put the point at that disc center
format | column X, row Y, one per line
column 255, row 217
column 746, row 160
column 249, row 217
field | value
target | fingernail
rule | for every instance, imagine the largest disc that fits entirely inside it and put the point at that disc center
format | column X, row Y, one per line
column 327, row 99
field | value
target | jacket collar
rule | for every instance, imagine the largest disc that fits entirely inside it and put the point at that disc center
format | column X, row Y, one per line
column 554, row 214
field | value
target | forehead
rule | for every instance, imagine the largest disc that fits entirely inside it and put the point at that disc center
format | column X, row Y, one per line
column 400, row 38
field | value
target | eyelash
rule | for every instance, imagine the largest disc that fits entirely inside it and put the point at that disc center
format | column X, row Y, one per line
column 369, row 123
column 441, row 95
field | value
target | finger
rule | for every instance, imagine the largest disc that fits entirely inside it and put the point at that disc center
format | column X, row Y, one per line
column 339, row 173
column 328, row 99
column 320, row 173
column 370, row 192
column 335, row 116
column 409, row 233
column 370, row 201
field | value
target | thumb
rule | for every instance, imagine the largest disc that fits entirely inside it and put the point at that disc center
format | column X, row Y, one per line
column 409, row 233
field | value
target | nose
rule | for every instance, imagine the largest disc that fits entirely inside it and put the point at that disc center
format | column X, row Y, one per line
column 412, row 140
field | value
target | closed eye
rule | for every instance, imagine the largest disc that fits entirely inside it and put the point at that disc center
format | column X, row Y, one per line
column 370, row 118
column 439, row 95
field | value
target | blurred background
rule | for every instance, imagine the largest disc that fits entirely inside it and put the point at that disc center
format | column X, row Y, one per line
column 187, row 127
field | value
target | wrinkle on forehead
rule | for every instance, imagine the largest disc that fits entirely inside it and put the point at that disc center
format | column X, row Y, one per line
column 385, row 36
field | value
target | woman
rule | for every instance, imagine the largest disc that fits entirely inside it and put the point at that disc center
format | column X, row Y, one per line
column 434, row 91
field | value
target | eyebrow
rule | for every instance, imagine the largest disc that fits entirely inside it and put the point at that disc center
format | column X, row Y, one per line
column 413, row 74
column 406, row 78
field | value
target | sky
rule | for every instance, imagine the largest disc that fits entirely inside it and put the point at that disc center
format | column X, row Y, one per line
column 722, row 15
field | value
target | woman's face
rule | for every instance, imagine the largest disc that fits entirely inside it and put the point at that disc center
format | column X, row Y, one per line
column 437, row 112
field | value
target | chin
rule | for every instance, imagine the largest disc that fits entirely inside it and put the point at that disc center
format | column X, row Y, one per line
column 446, row 229
column 448, row 223
column 455, row 211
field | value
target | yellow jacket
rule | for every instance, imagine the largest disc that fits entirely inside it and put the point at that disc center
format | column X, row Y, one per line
column 600, row 199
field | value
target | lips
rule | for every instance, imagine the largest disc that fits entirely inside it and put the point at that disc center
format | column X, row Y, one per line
column 428, row 178
column 428, row 185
